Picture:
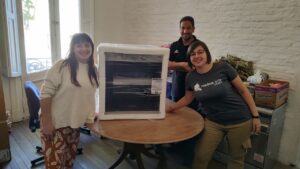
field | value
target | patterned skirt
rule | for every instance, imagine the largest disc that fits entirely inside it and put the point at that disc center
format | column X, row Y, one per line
column 60, row 153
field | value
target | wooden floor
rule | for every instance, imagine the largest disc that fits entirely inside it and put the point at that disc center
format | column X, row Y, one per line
column 97, row 153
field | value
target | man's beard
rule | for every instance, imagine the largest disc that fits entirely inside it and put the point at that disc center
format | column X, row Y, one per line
column 186, row 37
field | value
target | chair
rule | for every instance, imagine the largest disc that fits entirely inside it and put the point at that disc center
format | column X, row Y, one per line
column 33, row 101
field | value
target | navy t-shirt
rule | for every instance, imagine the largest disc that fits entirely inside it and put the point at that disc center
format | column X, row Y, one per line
column 220, row 100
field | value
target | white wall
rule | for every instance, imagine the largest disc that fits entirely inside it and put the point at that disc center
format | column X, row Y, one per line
column 297, row 100
column 109, row 21
column 266, row 32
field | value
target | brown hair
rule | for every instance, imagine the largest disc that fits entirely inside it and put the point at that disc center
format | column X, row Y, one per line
column 193, row 46
column 72, row 62
column 188, row 18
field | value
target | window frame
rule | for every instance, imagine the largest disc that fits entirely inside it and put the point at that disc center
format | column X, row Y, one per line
column 86, row 24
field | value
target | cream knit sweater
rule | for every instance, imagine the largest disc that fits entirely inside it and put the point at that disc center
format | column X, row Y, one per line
column 71, row 105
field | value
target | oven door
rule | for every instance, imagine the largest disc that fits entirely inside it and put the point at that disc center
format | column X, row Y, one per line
column 128, row 86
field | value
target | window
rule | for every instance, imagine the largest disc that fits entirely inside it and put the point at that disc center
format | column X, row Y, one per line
column 36, row 24
column 48, row 27
column 69, row 23
column 12, row 63
column 44, row 35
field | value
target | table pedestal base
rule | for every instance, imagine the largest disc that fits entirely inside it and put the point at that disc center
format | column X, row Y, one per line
column 135, row 150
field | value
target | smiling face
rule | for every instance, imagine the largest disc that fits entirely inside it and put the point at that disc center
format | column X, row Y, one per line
column 198, row 57
column 82, row 51
column 186, row 30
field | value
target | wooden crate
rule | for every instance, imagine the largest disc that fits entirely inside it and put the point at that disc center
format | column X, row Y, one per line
column 269, row 95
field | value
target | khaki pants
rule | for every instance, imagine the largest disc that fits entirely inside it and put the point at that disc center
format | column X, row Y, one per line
column 213, row 134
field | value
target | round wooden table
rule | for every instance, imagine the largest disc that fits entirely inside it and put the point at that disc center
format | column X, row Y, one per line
column 180, row 125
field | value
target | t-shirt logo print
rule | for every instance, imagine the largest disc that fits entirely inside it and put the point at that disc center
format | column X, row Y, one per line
column 176, row 51
column 197, row 88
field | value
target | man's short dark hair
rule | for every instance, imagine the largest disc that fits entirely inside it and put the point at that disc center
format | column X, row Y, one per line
column 188, row 18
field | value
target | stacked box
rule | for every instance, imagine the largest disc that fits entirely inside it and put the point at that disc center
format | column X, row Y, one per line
column 4, row 139
column 271, row 93
column 4, row 144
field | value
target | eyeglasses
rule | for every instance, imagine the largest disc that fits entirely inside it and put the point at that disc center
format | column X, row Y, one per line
column 198, row 52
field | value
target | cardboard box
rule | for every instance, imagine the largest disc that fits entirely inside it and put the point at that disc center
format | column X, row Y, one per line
column 2, row 103
column 271, row 93
column 4, row 143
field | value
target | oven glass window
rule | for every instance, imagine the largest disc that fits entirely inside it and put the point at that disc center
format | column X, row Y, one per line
column 133, row 82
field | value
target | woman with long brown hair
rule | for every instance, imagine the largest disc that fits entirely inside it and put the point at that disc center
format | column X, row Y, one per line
column 67, row 102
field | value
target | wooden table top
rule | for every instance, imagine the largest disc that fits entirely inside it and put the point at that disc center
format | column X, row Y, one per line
column 183, row 124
